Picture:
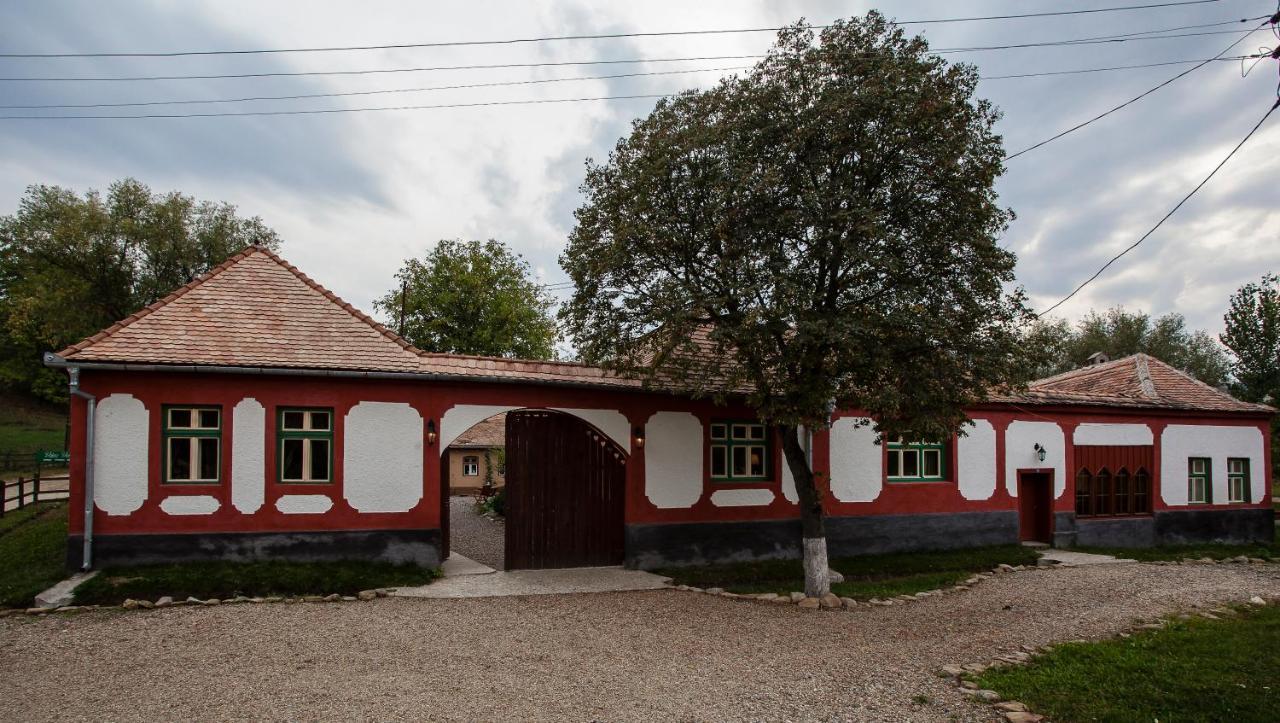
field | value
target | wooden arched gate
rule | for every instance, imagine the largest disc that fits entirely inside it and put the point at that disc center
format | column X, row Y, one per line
column 566, row 485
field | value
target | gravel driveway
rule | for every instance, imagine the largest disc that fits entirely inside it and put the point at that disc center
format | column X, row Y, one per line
column 624, row 656
column 474, row 535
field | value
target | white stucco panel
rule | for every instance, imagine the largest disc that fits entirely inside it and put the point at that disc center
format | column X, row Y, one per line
column 1133, row 435
column 857, row 462
column 120, row 448
column 190, row 505
column 673, row 460
column 610, row 421
column 382, row 457
column 463, row 417
column 248, row 455
column 742, row 498
column 976, row 466
column 1019, row 453
column 1182, row 441
column 304, row 504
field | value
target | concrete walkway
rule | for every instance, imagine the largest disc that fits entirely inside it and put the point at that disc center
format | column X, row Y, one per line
column 536, row 582
column 1071, row 558
column 456, row 565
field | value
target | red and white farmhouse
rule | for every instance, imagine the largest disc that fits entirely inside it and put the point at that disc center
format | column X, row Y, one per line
column 253, row 414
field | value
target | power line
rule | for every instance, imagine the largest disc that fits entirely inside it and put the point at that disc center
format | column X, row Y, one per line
column 1041, row 74
column 601, row 36
column 1159, row 223
column 1136, row 98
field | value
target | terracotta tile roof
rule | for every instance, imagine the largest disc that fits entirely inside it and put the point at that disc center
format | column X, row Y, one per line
column 489, row 433
column 1137, row 381
column 502, row 369
column 254, row 309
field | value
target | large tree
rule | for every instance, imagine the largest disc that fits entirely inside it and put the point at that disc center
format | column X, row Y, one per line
column 1252, row 334
column 472, row 297
column 71, row 265
column 1118, row 332
column 827, row 223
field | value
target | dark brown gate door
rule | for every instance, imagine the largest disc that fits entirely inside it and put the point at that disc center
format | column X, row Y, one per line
column 565, row 491
column 1035, row 507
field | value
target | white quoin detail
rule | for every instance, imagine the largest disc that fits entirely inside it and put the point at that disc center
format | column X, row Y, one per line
column 382, row 457
column 248, row 456
column 120, row 452
column 190, row 505
column 1180, row 442
column 857, row 462
column 304, row 504
column 976, row 466
column 1118, row 435
column 673, row 460
column 742, row 498
column 1020, row 441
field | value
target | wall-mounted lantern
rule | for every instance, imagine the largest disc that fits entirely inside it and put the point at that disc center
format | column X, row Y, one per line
column 1040, row 452
column 431, row 432
column 637, row 433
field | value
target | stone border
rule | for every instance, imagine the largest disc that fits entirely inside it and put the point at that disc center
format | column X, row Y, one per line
column 833, row 602
column 168, row 602
column 1016, row 712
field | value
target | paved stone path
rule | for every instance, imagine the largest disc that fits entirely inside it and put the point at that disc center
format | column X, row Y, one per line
column 1071, row 558
column 510, row 583
column 660, row 655
column 474, row 535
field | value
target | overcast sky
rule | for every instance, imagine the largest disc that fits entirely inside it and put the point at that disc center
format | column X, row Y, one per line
column 354, row 194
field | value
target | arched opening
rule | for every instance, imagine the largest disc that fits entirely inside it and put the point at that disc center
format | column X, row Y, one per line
column 1084, row 492
column 1122, row 499
column 1102, row 492
column 1141, row 492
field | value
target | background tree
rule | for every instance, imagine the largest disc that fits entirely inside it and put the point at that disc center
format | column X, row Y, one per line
column 1253, row 336
column 472, row 297
column 827, row 224
column 72, row 265
column 1118, row 333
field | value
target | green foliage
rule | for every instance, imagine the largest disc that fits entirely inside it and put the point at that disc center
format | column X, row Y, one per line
column 472, row 297
column 494, row 504
column 828, row 219
column 866, row 576
column 1118, row 333
column 1253, row 335
column 72, row 265
column 33, row 552
column 1200, row 670
column 252, row 579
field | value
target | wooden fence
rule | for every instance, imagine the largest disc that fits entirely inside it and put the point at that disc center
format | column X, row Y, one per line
column 22, row 491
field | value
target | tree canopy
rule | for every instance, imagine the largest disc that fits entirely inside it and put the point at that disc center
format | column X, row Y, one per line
column 472, row 297
column 827, row 222
column 1252, row 334
column 71, row 265
column 1061, row 346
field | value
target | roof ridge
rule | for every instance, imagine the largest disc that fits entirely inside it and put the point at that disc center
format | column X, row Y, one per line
column 482, row 357
column 1145, row 382
column 1193, row 380
column 1083, row 370
column 155, row 306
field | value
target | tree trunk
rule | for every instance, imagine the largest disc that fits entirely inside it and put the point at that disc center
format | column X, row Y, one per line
column 817, row 581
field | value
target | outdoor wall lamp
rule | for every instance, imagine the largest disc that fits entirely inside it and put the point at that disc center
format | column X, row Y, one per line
column 638, row 434
column 1040, row 452
column 431, row 432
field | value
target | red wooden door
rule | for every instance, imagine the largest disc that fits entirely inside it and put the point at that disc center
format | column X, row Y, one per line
column 1035, row 507
column 566, row 485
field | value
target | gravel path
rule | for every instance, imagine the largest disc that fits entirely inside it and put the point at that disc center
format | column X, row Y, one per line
column 475, row 535
column 624, row 656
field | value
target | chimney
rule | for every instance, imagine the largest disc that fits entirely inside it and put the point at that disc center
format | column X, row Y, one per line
column 1096, row 358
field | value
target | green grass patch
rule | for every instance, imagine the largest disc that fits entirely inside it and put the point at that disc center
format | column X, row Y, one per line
column 1199, row 670
column 33, row 549
column 1190, row 552
column 253, row 579
column 866, row 576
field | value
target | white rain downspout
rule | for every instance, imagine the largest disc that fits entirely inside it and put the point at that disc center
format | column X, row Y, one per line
column 91, row 403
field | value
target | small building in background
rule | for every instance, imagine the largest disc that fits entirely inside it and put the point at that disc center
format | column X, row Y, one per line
column 477, row 458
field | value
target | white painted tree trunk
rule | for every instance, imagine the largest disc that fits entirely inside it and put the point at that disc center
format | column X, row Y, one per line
column 817, row 580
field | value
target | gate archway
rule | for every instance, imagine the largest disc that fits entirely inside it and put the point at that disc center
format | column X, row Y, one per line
column 566, row 489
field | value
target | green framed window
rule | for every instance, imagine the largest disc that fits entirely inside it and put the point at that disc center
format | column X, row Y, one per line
column 1199, row 481
column 917, row 461
column 192, row 450
column 305, row 446
column 740, row 452
column 1238, row 479
column 470, row 466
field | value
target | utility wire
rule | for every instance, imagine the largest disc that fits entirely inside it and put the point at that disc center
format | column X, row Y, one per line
column 1159, row 223
column 1078, row 71
column 1136, row 98
column 602, row 36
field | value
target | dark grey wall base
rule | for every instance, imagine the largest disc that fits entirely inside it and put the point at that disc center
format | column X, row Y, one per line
column 1064, row 530
column 1118, row 532
column 676, row 544
column 1226, row 526
column 421, row 547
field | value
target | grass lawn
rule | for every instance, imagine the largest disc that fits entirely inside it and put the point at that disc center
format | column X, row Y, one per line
column 1193, row 552
column 228, row 579
column 27, row 425
column 33, row 545
column 866, row 576
column 1199, row 670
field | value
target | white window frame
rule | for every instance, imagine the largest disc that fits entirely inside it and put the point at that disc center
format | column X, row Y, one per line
column 470, row 466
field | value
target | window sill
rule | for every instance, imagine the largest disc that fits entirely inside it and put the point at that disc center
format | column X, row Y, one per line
column 893, row 481
column 716, row 481
column 185, row 483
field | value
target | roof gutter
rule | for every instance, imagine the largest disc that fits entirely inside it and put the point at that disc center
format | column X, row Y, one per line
column 91, row 404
